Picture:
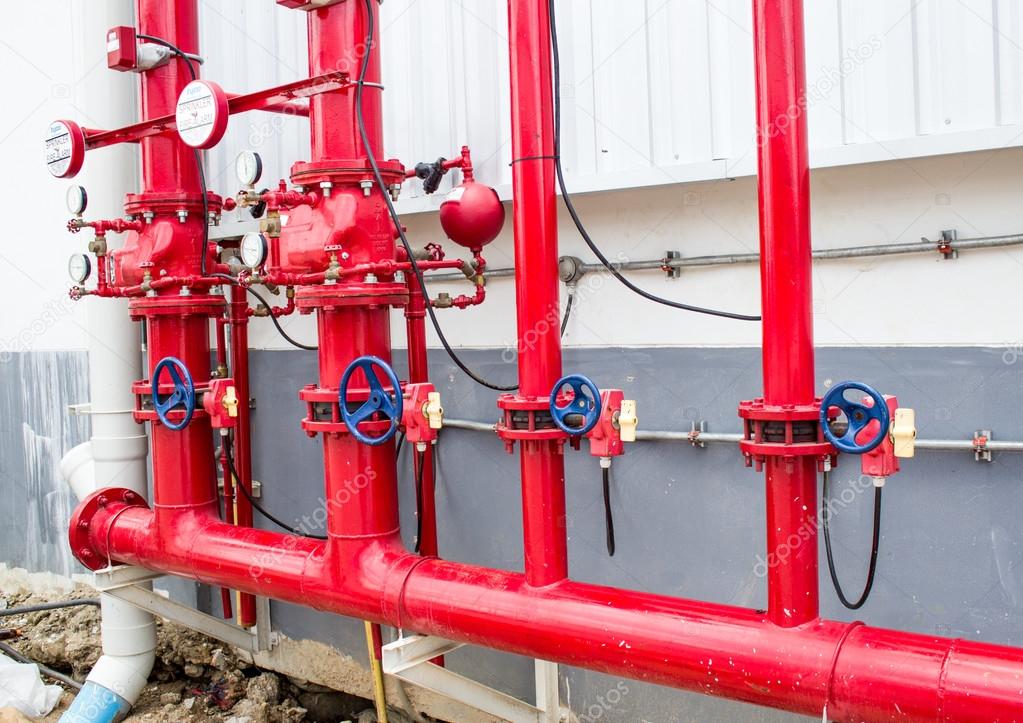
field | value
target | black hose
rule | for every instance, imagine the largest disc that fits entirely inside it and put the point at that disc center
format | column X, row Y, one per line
column 575, row 216
column 60, row 604
column 609, row 523
column 568, row 312
column 264, row 302
column 419, row 462
column 256, row 506
column 48, row 672
column 874, row 547
column 195, row 152
column 370, row 23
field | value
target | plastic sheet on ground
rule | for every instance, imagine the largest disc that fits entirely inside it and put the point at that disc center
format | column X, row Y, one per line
column 21, row 688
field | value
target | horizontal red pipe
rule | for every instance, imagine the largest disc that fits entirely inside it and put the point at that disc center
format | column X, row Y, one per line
column 859, row 672
column 278, row 99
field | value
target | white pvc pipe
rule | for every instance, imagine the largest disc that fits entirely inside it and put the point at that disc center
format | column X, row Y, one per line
column 116, row 454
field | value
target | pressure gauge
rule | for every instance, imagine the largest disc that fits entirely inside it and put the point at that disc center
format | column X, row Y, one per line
column 77, row 200
column 249, row 168
column 80, row 268
column 202, row 114
column 65, row 148
column 253, row 249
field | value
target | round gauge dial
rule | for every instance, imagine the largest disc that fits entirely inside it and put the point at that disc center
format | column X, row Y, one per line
column 202, row 114
column 253, row 249
column 249, row 168
column 77, row 200
column 80, row 268
column 65, row 148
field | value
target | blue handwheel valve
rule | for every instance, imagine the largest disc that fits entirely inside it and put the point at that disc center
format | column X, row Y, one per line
column 390, row 405
column 183, row 396
column 580, row 414
column 859, row 416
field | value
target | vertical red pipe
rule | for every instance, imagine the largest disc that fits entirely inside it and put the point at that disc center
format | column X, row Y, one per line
column 239, row 320
column 419, row 371
column 787, row 292
column 536, row 283
column 337, row 43
column 168, row 165
column 184, row 468
column 361, row 480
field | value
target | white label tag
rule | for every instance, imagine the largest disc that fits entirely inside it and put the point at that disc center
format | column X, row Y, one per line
column 58, row 148
column 196, row 114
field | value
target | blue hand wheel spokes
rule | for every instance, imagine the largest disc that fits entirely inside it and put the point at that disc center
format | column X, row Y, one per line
column 390, row 405
column 182, row 397
column 858, row 415
column 584, row 403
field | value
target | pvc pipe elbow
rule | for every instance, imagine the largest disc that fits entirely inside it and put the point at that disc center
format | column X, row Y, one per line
column 78, row 469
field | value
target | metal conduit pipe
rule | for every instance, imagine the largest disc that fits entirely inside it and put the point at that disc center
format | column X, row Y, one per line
column 847, row 252
column 946, row 445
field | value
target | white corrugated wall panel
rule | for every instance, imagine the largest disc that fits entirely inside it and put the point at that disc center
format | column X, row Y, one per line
column 655, row 92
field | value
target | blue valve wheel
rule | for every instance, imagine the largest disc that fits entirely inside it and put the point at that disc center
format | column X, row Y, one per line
column 584, row 403
column 390, row 405
column 859, row 415
column 182, row 397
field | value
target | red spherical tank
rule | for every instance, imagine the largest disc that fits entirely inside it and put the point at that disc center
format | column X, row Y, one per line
column 472, row 215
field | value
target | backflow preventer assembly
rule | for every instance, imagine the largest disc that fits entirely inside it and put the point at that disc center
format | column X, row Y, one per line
column 331, row 241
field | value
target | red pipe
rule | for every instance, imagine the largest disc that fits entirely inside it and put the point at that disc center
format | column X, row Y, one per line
column 168, row 164
column 419, row 371
column 238, row 317
column 846, row 671
column 860, row 673
column 787, row 291
column 536, row 283
column 337, row 43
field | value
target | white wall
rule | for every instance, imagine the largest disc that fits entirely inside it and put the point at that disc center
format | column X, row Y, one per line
column 680, row 100
column 911, row 300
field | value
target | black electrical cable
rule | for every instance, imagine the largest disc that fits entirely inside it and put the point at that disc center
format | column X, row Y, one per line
column 419, row 462
column 568, row 312
column 575, row 216
column 195, row 152
column 174, row 49
column 874, row 547
column 264, row 302
column 42, row 607
column 256, row 506
column 48, row 672
column 394, row 214
column 609, row 523
column 397, row 445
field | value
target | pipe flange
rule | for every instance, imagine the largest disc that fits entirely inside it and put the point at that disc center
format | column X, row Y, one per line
column 168, row 204
column 783, row 431
column 341, row 172
column 109, row 501
column 323, row 296
column 148, row 306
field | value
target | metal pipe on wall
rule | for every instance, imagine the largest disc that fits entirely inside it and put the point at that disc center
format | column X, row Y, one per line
column 699, row 438
column 846, row 252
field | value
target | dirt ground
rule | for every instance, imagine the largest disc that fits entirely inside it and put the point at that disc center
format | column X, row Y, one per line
column 195, row 678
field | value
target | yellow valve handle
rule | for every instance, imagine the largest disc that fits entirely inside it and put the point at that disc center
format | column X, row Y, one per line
column 230, row 401
column 903, row 432
column 433, row 411
column 628, row 421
